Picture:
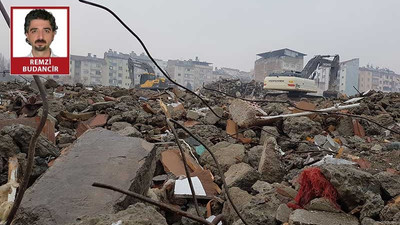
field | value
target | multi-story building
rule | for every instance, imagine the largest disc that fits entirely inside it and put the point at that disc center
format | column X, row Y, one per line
column 276, row 62
column 378, row 79
column 118, row 71
column 349, row 76
column 87, row 70
column 190, row 73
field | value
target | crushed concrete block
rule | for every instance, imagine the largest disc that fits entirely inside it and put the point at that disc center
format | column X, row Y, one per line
column 192, row 115
column 354, row 186
column 389, row 212
column 253, row 155
column 135, row 214
column 322, row 204
column 263, row 187
column 130, row 132
column 120, row 126
column 64, row 192
column 102, row 105
column 22, row 135
column 192, row 210
column 7, row 146
column 239, row 198
column 298, row 128
column 266, row 132
column 212, row 119
column 241, row 175
column 270, row 166
column 304, row 217
column 129, row 116
column 372, row 207
column 244, row 114
column 113, row 119
column 282, row 213
column 345, row 127
column 226, row 153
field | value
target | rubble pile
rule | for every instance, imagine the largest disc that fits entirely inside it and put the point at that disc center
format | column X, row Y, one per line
column 264, row 150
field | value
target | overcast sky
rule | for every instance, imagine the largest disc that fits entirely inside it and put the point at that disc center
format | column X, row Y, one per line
column 229, row 33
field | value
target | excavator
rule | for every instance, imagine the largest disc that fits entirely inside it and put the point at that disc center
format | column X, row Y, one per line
column 300, row 83
column 148, row 80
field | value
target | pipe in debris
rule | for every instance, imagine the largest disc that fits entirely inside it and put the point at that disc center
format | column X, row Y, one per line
column 171, row 126
column 151, row 201
column 227, row 195
column 334, row 108
column 31, row 152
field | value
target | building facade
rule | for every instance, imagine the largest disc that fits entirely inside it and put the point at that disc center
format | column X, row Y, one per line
column 118, row 71
column 190, row 73
column 349, row 76
column 277, row 62
column 378, row 79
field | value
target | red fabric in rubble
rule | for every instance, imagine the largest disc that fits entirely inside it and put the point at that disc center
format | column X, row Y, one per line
column 313, row 184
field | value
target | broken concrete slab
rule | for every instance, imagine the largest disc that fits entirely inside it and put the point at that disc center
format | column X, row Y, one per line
column 226, row 153
column 120, row 126
column 354, row 186
column 253, row 156
column 270, row 166
column 322, row 204
column 48, row 129
column 298, row 128
column 241, row 175
column 130, row 132
column 282, row 213
column 304, row 217
column 21, row 136
column 64, row 193
column 390, row 183
column 192, row 115
column 211, row 118
column 135, row 214
column 268, row 131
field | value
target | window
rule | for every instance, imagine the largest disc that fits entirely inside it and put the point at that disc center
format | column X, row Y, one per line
column 119, row 74
column 119, row 67
column 110, row 74
column 179, row 74
column 111, row 68
column 98, row 72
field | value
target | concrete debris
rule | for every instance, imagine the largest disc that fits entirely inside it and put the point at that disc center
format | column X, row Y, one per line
column 355, row 187
column 241, row 175
column 105, row 133
column 138, row 213
column 304, row 217
column 98, row 155
column 270, row 166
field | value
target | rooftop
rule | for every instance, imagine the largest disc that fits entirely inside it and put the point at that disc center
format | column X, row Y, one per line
column 281, row 52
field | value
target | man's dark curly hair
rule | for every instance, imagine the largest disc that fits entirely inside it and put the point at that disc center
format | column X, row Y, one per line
column 40, row 14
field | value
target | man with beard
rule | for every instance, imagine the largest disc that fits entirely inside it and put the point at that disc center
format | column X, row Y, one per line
column 40, row 28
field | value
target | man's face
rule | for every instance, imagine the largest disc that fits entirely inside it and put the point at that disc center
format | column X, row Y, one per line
column 40, row 34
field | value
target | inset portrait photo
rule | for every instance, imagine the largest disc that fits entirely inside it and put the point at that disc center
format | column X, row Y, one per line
column 40, row 40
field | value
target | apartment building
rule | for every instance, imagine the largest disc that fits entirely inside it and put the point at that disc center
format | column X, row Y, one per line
column 379, row 79
column 349, row 76
column 190, row 73
column 118, row 71
column 277, row 62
